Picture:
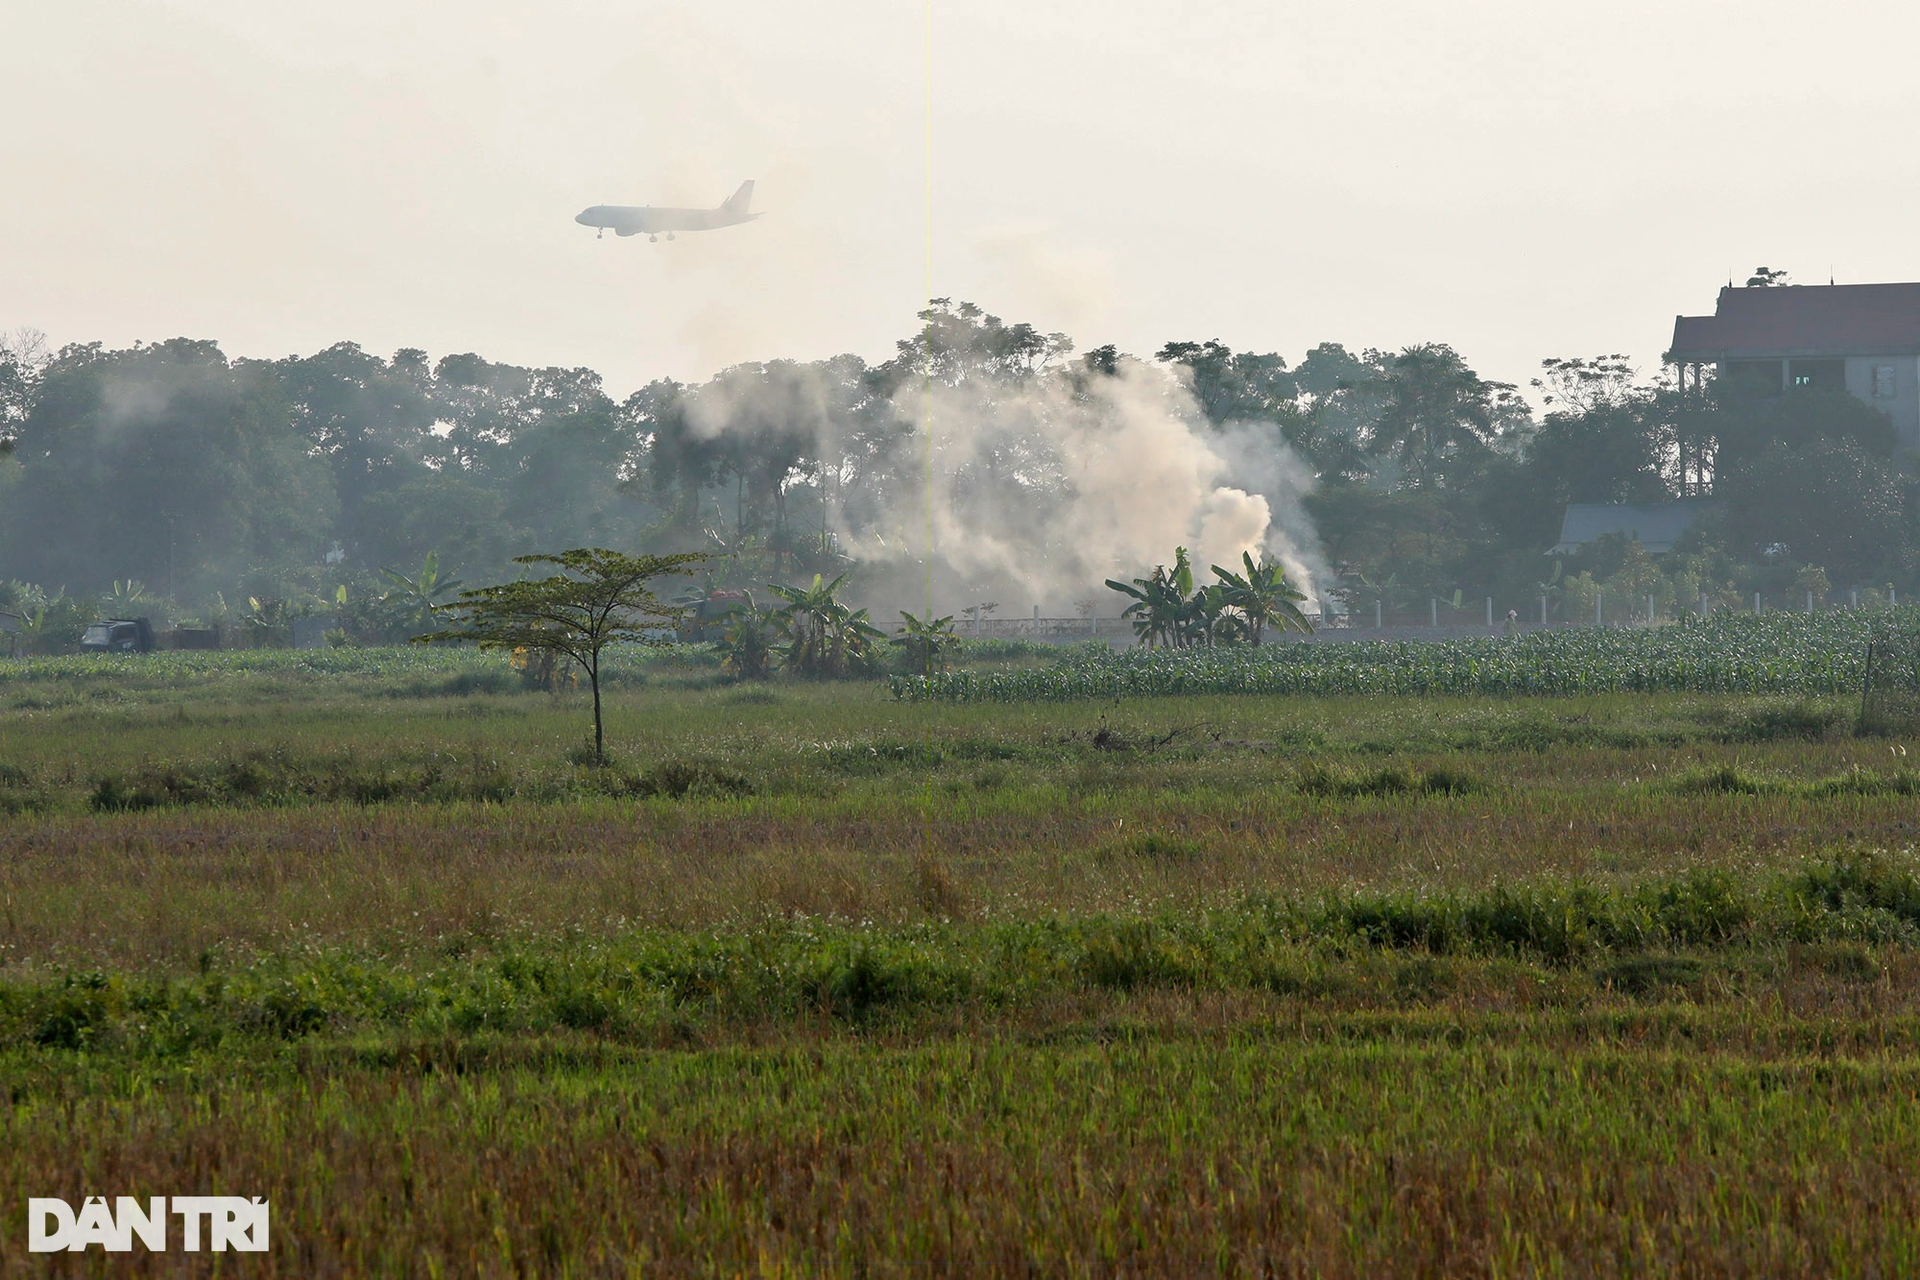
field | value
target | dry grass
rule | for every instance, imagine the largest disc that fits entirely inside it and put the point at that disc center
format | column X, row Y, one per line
column 1085, row 1059
column 161, row 887
column 1139, row 1156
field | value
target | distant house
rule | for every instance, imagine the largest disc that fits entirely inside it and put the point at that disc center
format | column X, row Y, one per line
column 1860, row 338
column 1656, row 525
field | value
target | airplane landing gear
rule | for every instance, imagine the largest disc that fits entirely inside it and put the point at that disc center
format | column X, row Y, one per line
column 601, row 234
column 669, row 235
column 653, row 239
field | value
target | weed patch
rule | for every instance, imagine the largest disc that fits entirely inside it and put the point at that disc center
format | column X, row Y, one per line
column 1322, row 779
column 679, row 779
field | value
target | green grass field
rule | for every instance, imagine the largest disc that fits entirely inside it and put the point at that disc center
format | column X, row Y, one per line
column 811, row 980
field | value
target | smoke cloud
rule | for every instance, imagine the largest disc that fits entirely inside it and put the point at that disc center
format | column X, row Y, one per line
column 1039, row 488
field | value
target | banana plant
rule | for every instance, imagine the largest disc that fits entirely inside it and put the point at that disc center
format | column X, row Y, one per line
column 1264, row 597
column 825, row 637
column 1215, row 617
column 745, row 645
column 420, row 599
column 924, row 642
column 267, row 619
column 1386, row 594
column 33, row 628
column 1551, row 587
column 127, row 597
column 1157, row 610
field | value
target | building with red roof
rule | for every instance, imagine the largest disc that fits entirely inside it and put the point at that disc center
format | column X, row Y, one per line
column 1860, row 338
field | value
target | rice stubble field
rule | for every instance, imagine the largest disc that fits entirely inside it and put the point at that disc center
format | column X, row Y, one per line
column 817, row 979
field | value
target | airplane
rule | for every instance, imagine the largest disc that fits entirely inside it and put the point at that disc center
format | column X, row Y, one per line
column 630, row 220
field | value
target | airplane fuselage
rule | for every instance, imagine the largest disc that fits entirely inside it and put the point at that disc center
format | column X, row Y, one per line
column 632, row 219
column 635, row 219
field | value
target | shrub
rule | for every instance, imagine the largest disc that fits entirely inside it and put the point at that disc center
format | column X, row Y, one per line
column 1724, row 779
column 1132, row 954
column 1798, row 719
column 677, row 779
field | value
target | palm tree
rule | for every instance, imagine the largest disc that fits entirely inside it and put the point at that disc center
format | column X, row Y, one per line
column 1433, row 406
column 1264, row 597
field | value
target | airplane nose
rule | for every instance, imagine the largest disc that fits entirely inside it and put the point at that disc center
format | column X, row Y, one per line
column 581, row 217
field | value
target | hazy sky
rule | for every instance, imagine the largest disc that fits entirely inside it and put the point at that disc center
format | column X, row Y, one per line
column 1521, row 180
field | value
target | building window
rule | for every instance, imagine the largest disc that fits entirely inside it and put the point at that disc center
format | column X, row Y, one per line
column 1822, row 375
column 1883, row 382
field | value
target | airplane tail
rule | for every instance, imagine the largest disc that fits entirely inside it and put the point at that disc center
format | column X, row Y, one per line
column 737, row 202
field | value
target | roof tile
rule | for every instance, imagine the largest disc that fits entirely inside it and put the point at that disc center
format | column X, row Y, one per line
column 1791, row 319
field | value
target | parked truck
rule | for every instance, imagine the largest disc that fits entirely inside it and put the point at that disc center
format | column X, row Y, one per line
column 118, row 635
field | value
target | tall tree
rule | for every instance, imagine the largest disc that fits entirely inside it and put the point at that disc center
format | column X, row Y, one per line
column 1433, row 409
column 162, row 463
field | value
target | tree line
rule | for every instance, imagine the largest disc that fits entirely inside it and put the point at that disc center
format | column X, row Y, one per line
column 176, row 479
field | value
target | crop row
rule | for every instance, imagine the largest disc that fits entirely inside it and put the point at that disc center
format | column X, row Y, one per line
column 1795, row 654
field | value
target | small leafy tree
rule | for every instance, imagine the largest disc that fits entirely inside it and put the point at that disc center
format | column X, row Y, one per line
column 595, row 598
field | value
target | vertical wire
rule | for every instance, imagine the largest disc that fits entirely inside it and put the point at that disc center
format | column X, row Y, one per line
column 926, row 294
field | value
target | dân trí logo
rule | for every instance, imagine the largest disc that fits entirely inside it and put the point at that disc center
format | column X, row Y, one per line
column 214, row 1222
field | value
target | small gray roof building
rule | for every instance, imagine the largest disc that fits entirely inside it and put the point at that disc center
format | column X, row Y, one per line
column 1655, row 525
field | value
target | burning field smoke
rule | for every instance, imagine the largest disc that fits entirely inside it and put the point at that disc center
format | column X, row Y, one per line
column 1040, row 488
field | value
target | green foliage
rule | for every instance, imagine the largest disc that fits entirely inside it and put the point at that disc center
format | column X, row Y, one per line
column 157, row 461
column 924, row 643
column 212, row 475
column 416, row 602
column 1831, row 503
column 597, row 598
column 826, row 637
column 1323, row 779
column 746, row 643
column 1795, row 654
column 1263, row 597
column 1167, row 610
column 268, row 622
column 53, row 624
column 129, row 598
column 278, row 777
column 1635, row 938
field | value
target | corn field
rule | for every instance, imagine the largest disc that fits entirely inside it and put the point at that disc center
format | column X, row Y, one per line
column 1819, row 653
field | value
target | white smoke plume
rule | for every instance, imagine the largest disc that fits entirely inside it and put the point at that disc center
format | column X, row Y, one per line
column 1043, row 488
